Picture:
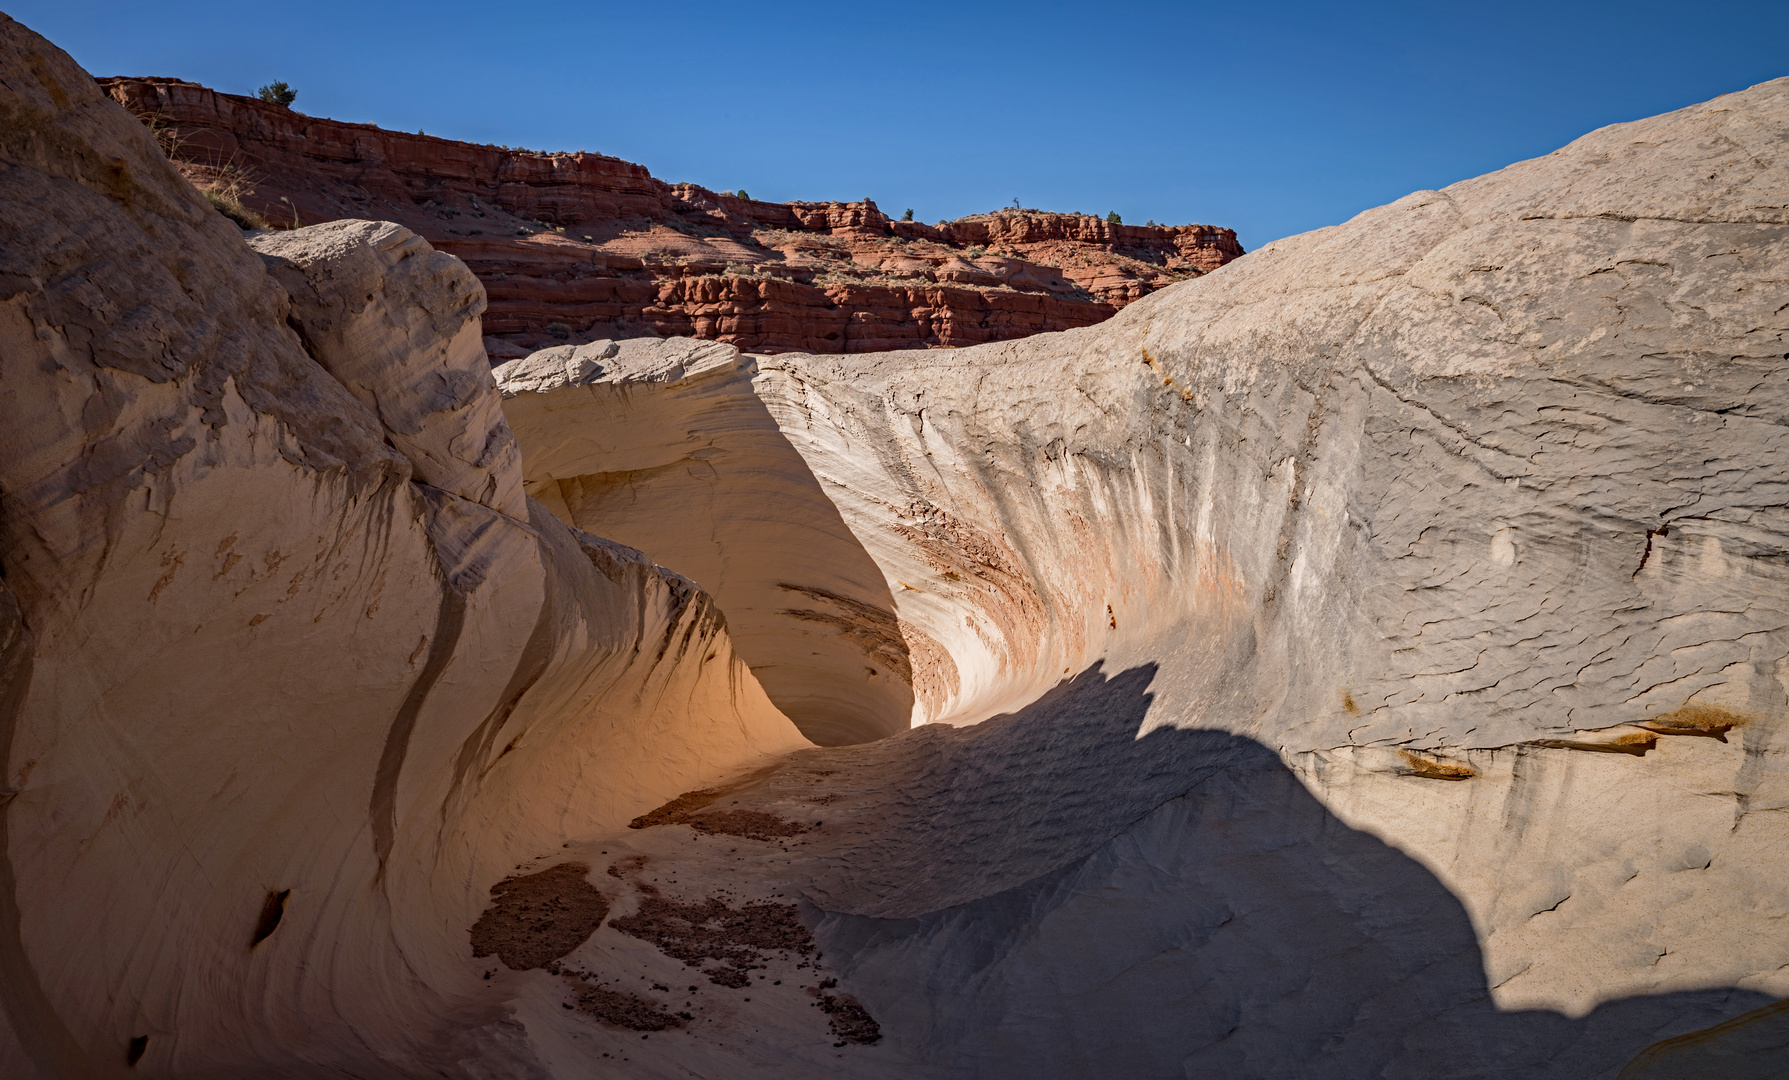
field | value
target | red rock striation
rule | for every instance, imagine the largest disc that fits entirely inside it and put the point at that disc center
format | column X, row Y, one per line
column 580, row 246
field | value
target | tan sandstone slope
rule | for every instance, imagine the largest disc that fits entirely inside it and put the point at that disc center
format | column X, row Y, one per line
column 1389, row 637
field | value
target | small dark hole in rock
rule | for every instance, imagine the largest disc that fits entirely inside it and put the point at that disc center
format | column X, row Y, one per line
column 137, row 1045
column 272, row 911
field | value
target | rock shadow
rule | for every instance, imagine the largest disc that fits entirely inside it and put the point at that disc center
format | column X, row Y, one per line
column 697, row 474
column 1203, row 915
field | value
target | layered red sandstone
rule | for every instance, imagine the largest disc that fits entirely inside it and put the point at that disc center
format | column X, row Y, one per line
column 580, row 245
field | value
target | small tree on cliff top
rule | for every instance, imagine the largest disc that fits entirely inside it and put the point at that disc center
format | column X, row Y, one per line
column 908, row 216
column 1114, row 218
column 277, row 93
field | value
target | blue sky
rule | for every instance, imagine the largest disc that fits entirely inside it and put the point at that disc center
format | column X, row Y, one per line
column 1269, row 118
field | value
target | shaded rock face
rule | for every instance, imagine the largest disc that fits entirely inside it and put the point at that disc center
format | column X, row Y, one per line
column 294, row 672
column 663, row 445
column 1365, row 661
column 589, row 245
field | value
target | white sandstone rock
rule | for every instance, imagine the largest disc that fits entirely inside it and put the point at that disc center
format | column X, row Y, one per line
column 550, row 369
column 1469, row 508
column 396, row 322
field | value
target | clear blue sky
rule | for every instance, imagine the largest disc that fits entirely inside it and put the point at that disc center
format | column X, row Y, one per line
column 1269, row 118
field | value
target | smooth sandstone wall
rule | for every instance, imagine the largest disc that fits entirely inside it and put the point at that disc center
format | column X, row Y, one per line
column 662, row 445
column 281, row 621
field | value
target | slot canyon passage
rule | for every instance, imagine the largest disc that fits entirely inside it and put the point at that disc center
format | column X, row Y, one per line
column 1368, row 659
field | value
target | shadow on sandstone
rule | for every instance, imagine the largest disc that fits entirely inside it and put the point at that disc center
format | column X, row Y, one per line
column 1203, row 916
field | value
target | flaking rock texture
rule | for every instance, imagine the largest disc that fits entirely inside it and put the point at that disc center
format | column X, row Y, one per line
column 396, row 322
column 1368, row 660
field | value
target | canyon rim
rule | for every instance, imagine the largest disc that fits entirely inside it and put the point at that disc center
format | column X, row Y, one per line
column 580, row 243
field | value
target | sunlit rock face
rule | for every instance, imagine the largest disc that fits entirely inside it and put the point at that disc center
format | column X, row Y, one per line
column 587, row 243
column 1365, row 661
column 1468, row 509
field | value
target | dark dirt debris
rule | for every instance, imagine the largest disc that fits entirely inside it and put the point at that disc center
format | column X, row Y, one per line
column 733, row 978
column 712, row 930
column 691, row 808
column 538, row 918
column 624, row 1010
column 676, row 810
column 750, row 824
column 849, row 1019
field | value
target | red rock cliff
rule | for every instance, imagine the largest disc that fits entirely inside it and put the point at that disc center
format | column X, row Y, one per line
column 582, row 245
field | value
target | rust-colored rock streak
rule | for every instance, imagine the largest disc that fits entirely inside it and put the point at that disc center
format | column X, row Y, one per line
column 583, row 245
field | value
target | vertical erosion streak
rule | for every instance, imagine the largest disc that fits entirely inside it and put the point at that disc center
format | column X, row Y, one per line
column 383, row 807
column 40, row 1031
column 475, row 752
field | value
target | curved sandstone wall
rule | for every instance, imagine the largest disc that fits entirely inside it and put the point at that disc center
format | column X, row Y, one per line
column 663, row 445
column 287, row 649
column 1467, row 509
